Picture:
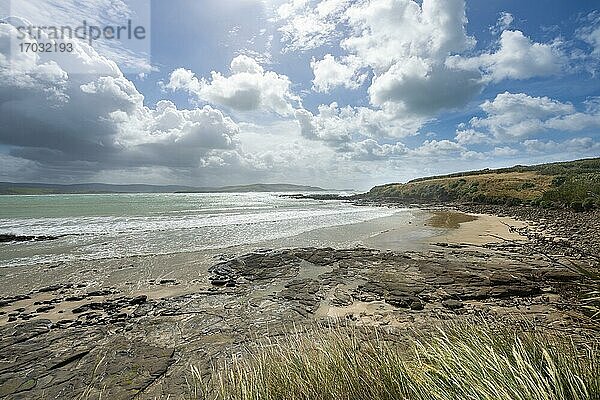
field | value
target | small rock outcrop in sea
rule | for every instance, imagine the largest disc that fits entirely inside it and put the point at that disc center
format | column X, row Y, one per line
column 9, row 238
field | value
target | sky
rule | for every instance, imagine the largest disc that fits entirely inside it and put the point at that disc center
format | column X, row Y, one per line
column 342, row 94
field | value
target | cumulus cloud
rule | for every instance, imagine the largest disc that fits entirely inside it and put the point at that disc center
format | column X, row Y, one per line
column 440, row 148
column 332, row 124
column 248, row 88
column 518, row 57
column 420, row 87
column 98, row 121
column 470, row 136
column 371, row 150
column 337, row 125
column 392, row 31
column 304, row 27
column 406, row 45
column 330, row 73
column 415, row 52
column 504, row 151
column 402, row 42
column 512, row 116
column 581, row 146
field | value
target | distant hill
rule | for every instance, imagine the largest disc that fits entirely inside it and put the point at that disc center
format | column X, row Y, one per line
column 260, row 187
column 574, row 184
column 8, row 188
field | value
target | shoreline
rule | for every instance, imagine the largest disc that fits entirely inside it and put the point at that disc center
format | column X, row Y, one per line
column 167, row 323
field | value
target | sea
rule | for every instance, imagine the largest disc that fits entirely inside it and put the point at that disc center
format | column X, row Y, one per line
column 98, row 226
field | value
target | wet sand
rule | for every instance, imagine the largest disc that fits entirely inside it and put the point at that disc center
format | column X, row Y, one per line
column 475, row 229
column 131, row 327
column 164, row 276
column 142, row 273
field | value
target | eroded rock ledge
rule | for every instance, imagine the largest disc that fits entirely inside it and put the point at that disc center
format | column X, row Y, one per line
column 77, row 342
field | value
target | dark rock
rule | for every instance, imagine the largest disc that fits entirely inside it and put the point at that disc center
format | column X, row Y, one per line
column 119, row 317
column 342, row 299
column 44, row 309
column 562, row 275
column 4, row 238
column 452, row 304
column 91, row 316
column 138, row 300
column 100, row 293
column 398, row 301
column 515, row 291
column 74, row 298
column 52, row 288
column 416, row 305
column 219, row 281
column 87, row 307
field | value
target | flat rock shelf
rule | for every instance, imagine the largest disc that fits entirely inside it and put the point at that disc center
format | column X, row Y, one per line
column 86, row 344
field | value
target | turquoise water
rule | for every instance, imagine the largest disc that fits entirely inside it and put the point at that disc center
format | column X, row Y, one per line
column 116, row 225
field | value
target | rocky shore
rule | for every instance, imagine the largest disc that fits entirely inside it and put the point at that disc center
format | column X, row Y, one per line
column 74, row 340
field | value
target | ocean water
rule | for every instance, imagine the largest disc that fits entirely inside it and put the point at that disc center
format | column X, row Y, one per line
column 118, row 225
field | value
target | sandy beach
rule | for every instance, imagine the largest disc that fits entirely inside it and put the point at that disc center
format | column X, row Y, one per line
column 141, row 322
column 138, row 274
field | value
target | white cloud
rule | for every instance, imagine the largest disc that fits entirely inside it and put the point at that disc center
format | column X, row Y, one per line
column 304, row 27
column 504, row 151
column 470, row 136
column 248, row 88
column 518, row 57
column 406, row 45
column 371, row 150
column 393, row 31
column 130, row 56
column 581, row 146
column 98, row 121
column 340, row 125
column 590, row 32
column 421, row 87
column 439, row 148
column 415, row 51
column 505, row 20
column 332, row 124
column 512, row 116
column 330, row 73
column 403, row 43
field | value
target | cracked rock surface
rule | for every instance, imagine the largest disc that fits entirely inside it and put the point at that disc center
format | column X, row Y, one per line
column 69, row 341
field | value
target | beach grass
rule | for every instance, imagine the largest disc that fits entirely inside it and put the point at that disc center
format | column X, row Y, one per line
column 453, row 362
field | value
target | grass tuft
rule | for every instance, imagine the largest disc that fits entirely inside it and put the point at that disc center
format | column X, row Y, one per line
column 456, row 362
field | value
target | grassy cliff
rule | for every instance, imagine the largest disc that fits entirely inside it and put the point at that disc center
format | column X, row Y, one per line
column 574, row 184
